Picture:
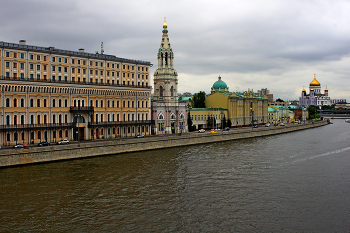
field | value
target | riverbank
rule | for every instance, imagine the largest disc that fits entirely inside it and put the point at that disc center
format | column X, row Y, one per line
column 85, row 150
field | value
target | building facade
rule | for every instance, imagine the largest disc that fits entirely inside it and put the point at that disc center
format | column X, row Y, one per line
column 49, row 94
column 168, row 112
column 240, row 108
column 315, row 97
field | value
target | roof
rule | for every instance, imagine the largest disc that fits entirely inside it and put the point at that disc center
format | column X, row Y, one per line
column 207, row 109
column 219, row 84
column 70, row 53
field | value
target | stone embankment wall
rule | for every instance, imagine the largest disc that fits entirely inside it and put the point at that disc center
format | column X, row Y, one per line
column 85, row 150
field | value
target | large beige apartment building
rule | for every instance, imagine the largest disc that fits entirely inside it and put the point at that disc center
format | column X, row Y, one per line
column 48, row 94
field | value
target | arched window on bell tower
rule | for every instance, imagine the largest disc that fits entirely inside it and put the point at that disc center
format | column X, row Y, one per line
column 166, row 58
column 161, row 92
column 172, row 91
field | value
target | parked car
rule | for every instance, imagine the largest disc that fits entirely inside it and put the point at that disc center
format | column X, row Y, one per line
column 213, row 131
column 44, row 144
column 282, row 124
column 140, row 136
column 201, row 131
column 227, row 129
column 267, row 125
column 20, row 145
column 63, row 141
column 256, row 126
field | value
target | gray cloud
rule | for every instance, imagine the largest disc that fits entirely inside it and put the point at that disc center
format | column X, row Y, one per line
column 251, row 44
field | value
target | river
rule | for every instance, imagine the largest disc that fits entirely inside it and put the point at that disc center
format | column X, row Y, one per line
column 294, row 182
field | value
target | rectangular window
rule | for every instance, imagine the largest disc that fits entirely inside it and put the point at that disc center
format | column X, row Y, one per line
column 90, row 63
column 91, row 71
column 96, row 72
column 65, row 69
column 7, row 64
column 22, row 66
column 44, row 58
column 22, row 55
column 53, row 59
column 78, row 62
column 53, row 68
column 66, row 60
column 53, row 78
column 38, row 76
column 107, row 65
column 96, row 63
column 38, row 57
column 44, row 67
column 15, row 65
column 22, row 76
column 14, row 55
column 101, row 64
column 37, row 67
column 113, row 65
column 73, row 61
column 101, row 72
column 59, row 59
column 73, row 70
column 31, row 57
column 84, row 71
column 78, row 70
column 7, row 54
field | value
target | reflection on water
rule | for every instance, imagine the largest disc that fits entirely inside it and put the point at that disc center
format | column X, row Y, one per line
column 296, row 182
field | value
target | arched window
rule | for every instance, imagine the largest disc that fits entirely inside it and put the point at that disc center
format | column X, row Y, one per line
column 75, row 103
column 161, row 92
column 172, row 91
column 22, row 103
column 8, row 120
column 38, row 103
column 53, row 103
column 60, row 119
column 65, row 118
column 101, row 117
column 60, row 103
column 7, row 102
column 45, row 119
column 39, row 134
column 45, row 103
column 101, row 103
column 15, row 102
column 96, row 105
column 32, row 119
column 22, row 119
column 54, row 118
column 38, row 119
column 15, row 119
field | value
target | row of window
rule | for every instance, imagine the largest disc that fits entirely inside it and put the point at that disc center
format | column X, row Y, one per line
column 38, row 68
column 76, row 103
column 204, row 117
column 66, row 133
column 73, row 80
column 73, row 61
column 98, row 117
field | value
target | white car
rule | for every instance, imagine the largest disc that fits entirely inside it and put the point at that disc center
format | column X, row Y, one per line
column 201, row 131
column 63, row 141
column 267, row 125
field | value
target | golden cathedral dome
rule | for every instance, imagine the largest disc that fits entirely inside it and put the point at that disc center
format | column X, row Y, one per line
column 315, row 83
column 326, row 89
column 311, row 89
column 304, row 89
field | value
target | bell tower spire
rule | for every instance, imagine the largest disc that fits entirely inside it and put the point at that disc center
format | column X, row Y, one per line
column 165, row 77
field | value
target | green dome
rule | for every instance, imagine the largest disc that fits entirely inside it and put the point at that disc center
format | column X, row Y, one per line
column 219, row 84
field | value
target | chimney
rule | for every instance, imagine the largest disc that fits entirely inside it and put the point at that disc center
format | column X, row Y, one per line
column 22, row 42
column 82, row 50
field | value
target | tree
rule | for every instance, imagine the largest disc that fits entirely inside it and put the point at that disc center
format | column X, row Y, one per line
column 229, row 123
column 312, row 112
column 224, row 123
column 198, row 100
column 189, row 121
column 279, row 100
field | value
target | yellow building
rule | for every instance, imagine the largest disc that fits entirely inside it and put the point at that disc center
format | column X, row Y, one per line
column 242, row 108
column 51, row 94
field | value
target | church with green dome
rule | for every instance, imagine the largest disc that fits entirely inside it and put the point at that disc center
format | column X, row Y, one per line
column 240, row 108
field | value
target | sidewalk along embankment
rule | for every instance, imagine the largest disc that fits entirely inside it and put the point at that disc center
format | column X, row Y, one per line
column 86, row 150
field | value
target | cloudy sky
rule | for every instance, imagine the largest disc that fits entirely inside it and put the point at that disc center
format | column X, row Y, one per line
column 254, row 44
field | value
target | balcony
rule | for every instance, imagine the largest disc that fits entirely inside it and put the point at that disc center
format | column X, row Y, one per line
column 89, row 109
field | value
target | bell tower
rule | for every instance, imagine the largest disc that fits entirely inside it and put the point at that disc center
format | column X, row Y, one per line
column 165, row 77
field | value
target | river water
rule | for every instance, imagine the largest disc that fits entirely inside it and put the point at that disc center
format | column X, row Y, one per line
column 295, row 182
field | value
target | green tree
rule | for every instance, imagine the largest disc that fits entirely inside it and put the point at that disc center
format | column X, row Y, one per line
column 224, row 122
column 279, row 100
column 209, row 122
column 229, row 123
column 312, row 112
column 189, row 121
column 198, row 100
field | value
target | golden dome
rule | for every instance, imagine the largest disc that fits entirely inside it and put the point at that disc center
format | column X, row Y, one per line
column 315, row 83
column 303, row 89
column 165, row 25
column 312, row 89
column 326, row 89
